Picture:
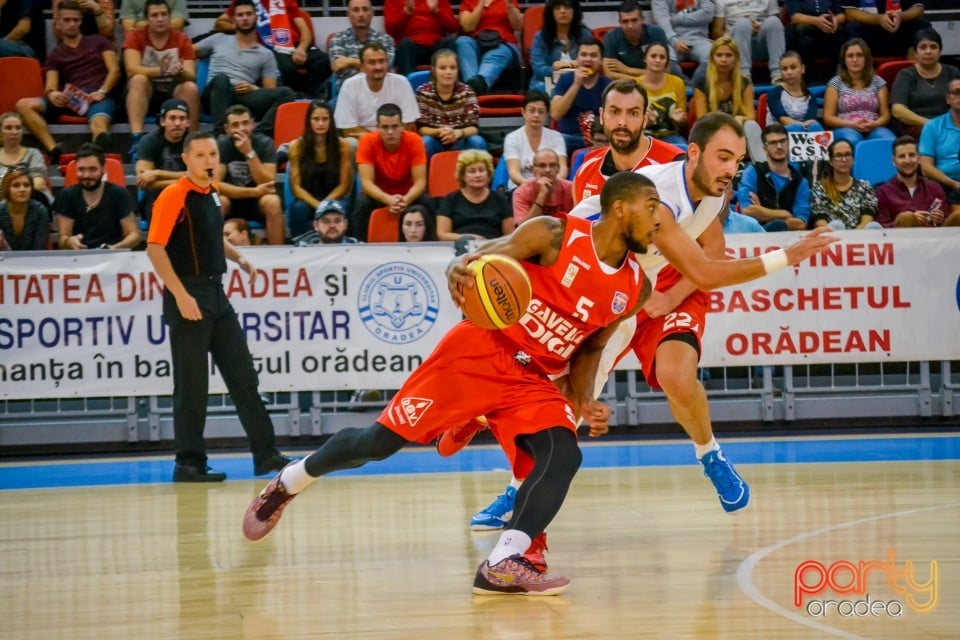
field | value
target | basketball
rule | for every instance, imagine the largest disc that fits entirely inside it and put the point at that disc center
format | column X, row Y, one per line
column 500, row 294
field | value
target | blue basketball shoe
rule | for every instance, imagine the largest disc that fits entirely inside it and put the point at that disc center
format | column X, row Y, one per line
column 497, row 514
column 733, row 492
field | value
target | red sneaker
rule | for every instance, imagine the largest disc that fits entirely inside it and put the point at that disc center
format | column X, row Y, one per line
column 534, row 553
column 516, row 576
column 453, row 440
column 264, row 512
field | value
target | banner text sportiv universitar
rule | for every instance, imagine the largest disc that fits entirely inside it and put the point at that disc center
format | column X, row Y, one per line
column 364, row 316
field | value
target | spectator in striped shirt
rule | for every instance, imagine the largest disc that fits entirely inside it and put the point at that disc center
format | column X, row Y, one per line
column 449, row 113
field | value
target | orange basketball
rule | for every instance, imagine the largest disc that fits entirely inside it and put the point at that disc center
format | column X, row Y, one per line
column 500, row 294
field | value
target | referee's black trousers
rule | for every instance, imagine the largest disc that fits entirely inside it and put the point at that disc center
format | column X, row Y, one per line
column 219, row 334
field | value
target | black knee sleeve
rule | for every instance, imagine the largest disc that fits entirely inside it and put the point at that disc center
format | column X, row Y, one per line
column 556, row 459
column 351, row 448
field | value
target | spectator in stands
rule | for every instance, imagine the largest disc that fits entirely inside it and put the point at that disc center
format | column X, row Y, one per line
column 22, row 29
column 287, row 30
column 133, row 15
column 889, row 31
column 667, row 94
column 474, row 210
column 686, row 25
column 554, row 49
column 362, row 96
column 236, row 231
column 790, row 103
column 721, row 86
column 242, row 71
column 489, row 45
column 94, row 213
column 918, row 92
column 774, row 192
column 940, row 148
column 329, row 226
column 908, row 199
column 520, row 146
column 392, row 163
column 81, row 73
column 418, row 224
column 160, row 64
column 318, row 169
column 856, row 104
column 159, row 154
column 756, row 28
column 840, row 200
column 545, row 193
column 247, row 174
column 420, row 28
column 97, row 18
column 732, row 220
column 577, row 96
column 24, row 222
column 816, row 29
column 13, row 155
column 449, row 113
column 624, row 47
column 346, row 46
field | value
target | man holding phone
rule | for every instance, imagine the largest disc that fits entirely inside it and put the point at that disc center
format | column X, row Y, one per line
column 908, row 199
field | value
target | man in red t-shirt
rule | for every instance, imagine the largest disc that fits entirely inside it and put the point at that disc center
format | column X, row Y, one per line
column 623, row 114
column 392, row 163
column 420, row 28
column 160, row 65
column 287, row 30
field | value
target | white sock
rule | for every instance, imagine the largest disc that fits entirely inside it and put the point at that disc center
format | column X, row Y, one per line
column 295, row 477
column 704, row 449
column 515, row 483
column 511, row 543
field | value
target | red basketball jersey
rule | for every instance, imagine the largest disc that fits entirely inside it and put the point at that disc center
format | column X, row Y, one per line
column 573, row 298
column 589, row 181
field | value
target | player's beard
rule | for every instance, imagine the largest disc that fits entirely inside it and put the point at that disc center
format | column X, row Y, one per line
column 630, row 145
column 702, row 182
column 633, row 244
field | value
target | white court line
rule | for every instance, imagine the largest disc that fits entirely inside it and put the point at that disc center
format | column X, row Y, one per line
column 745, row 570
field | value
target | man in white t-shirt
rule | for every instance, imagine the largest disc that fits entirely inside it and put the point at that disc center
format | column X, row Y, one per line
column 756, row 28
column 518, row 146
column 361, row 96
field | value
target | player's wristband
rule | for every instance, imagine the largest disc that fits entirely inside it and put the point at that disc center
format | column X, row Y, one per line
column 774, row 260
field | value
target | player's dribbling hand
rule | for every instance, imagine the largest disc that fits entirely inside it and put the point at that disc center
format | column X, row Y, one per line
column 460, row 276
column 810, row 244
column 596, row 415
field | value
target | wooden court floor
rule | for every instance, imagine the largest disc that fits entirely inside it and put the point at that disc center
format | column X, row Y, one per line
column 649, row 552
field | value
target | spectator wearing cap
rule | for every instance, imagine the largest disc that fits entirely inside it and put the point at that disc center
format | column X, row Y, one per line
column 247, row 174
column 159, row 153
column 329, row 226
column 160, row 64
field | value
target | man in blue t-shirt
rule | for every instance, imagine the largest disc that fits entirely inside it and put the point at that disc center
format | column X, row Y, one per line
column 774, row 192
column 939, row 148
column 577, row 96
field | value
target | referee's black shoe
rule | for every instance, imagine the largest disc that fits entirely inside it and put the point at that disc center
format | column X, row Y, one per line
column 274, row 462
column 186, row 473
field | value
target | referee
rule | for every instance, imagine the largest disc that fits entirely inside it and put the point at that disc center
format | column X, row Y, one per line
column 188, row 251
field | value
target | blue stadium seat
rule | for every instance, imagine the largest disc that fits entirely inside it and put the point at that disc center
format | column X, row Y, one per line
column 501, row 177
column 575, row 163
column 418, row 78
column 873, row 161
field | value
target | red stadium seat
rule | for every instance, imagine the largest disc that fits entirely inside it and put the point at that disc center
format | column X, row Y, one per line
column 19, row 78
column 762, row 110
column 532, row 24
column 383, row 226
column 289, row 121
column 114, row 173
column 442, row 174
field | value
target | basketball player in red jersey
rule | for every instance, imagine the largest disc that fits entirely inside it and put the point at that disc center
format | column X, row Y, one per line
column 585, row 279
column 624, row 115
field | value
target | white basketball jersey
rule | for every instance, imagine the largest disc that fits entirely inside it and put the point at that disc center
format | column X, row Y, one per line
column 672, row 187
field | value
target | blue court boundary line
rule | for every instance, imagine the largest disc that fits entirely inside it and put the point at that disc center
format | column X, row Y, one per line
column 418, row 460
column 132, row 471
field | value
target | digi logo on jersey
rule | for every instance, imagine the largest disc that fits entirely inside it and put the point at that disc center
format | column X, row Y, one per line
column 551, row 329
column 398, row 302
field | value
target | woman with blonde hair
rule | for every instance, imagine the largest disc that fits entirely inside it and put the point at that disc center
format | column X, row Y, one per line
column 721, row 86
column 474, row 210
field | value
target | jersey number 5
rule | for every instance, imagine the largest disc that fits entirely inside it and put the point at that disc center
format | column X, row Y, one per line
column 583, row 308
